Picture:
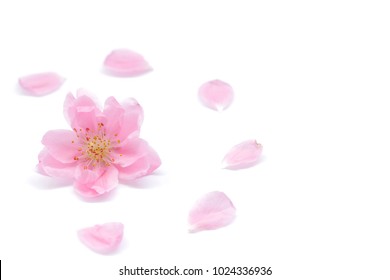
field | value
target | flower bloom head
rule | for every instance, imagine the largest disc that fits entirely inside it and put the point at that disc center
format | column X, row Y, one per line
column 102, row 147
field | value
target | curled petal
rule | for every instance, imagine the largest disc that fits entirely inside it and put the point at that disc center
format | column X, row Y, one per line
column 125, row 63
column 123, row 120
column 104, row 238
column 243, row 155
column 212, row 211
column 81, row 112
column 216, row 95
column 143, row 166
column 96, row 182
column 41, row 84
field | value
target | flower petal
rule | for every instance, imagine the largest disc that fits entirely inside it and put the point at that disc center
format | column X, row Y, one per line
column 212, row 211
column 81, row 112
column 123, row 120
column 243, row 155
column 49, row 166
column 216, row 95
column 143, row 166
column 61, row 144
column 104, row 238
column 95, row 182
column 125, row 63
column 130, row 151
column 41, row 84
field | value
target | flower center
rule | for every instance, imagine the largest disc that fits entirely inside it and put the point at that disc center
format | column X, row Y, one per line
column 95, row 147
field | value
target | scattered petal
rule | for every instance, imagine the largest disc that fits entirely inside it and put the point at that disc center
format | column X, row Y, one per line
column 41, row 84
column 212, row 211
column 243, row 155
column 125, row 63
column 216, row 95
column 104, row 238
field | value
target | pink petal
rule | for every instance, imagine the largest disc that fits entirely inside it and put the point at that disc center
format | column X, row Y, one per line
column 49, row 166
column 95, row 182
column 212, row 211
column 81, row 112
column 129, row 151
column 216, row 95
column 243, row 155
column 125, row 63
column 143, row 166
column 41, row 84
column 104, row 238
column 61, row 144
column 123, row 120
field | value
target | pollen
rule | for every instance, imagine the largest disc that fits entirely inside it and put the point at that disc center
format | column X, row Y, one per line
column 95, row 148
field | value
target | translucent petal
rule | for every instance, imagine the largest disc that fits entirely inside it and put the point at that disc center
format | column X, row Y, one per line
column 104, row 238
column 143, row 166
column 216, row 95
column 82, row 111
column 212, row 211
column 41, row 84
column 60, row 144
column 123, row 120
column 50, row 166
column 95, row 182
column 126, row 63
column 243, row 155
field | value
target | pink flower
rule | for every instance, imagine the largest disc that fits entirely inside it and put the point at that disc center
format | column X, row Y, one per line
column 102, row 148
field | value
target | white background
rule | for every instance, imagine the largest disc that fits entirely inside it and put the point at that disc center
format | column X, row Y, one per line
column 311, row 81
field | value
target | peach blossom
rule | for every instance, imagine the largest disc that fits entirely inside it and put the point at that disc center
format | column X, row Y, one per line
column 102, row 148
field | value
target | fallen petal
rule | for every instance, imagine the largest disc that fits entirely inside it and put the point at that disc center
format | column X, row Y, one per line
column 216, row 95
column 125, row 63
column 104, row 238
column 212, row 211
column 41, row 84
column 243, row 155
